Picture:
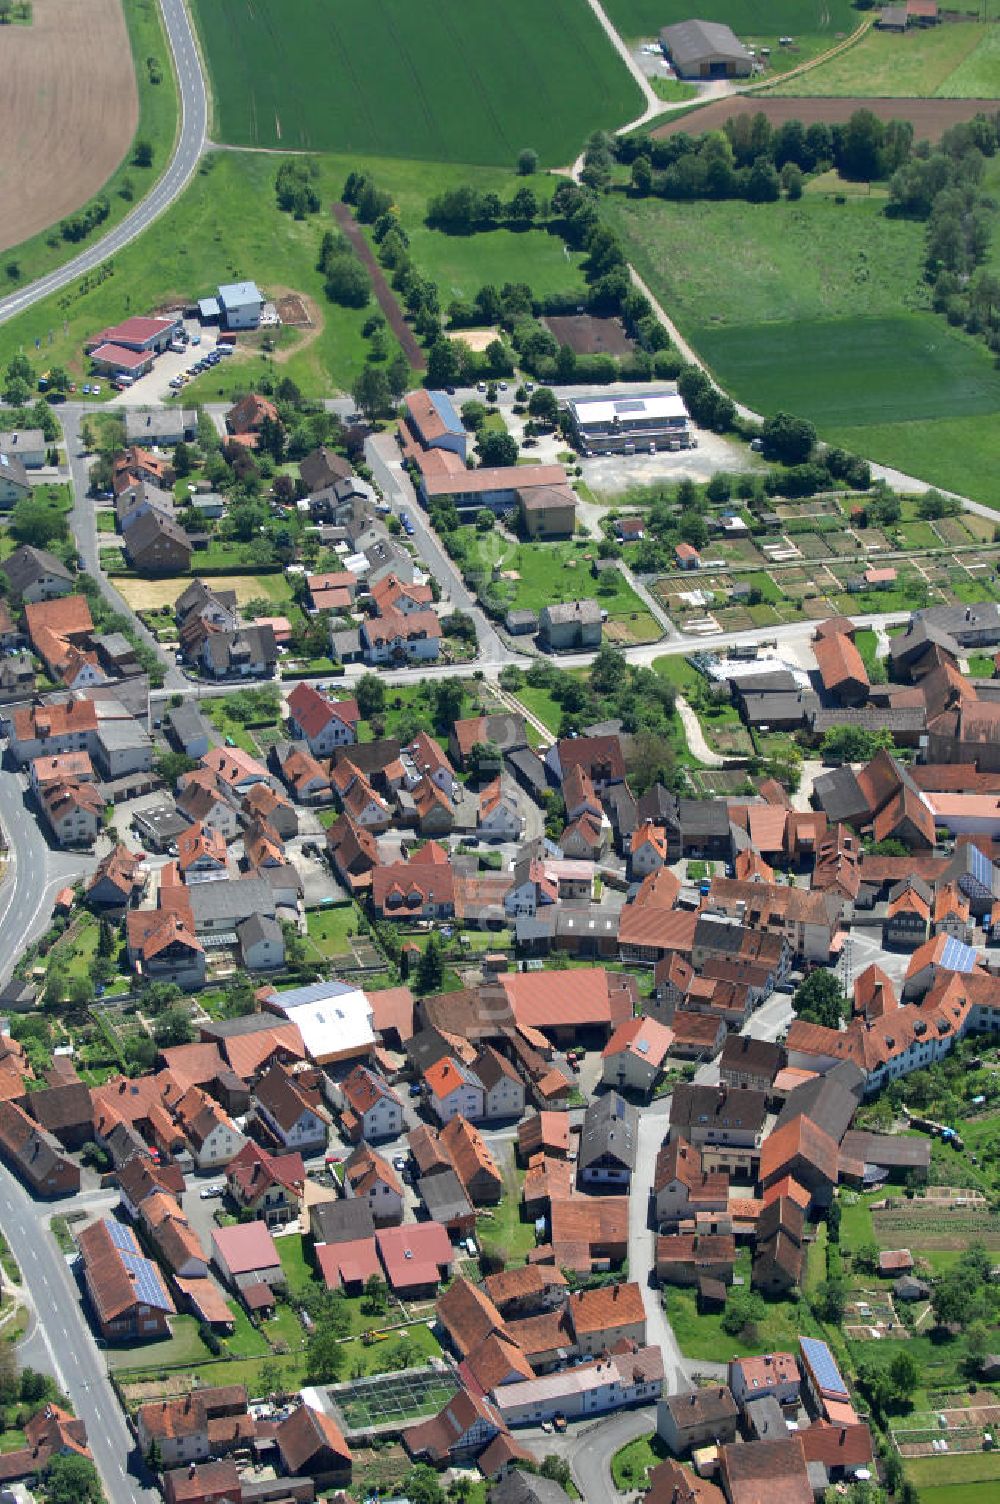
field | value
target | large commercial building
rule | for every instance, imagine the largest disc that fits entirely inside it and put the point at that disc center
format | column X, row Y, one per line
column 622, row 425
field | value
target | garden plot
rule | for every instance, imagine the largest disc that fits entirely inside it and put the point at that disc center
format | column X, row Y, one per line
column 955, row 1429
column 870, row 1315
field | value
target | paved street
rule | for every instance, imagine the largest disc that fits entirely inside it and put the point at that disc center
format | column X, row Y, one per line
column 72, row 1356
column 35, row 874
column 190, row 144
column 590, row 1457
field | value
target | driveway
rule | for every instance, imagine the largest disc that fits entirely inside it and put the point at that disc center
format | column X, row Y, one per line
column 659, row 1333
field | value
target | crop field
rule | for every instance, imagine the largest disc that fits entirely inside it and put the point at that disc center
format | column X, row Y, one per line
column 462, row 81
column 68, row 109
column 845, row 371
column 922, row 62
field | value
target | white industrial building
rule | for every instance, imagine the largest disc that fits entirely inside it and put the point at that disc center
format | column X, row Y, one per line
column 626, row 425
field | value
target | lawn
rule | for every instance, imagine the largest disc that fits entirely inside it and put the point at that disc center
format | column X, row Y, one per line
column 462, row 81
column 157, row 125
column 361, row 1360
column 920, row 63
column 541, row 704
column 714, row 264
column 462, row 264
column 184, row 1348
column 947, row 1480
column 630, row 1465
column 910, row 368
column 297, row 1272
column 702, row 1336
column 329, row 929
column 548, row 572
column 978, row 77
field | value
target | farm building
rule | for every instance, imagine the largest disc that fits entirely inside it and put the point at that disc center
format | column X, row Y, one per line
column 602, row 425
column 705, row 49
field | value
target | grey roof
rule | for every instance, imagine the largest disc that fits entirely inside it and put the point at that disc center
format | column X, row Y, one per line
column 584, row 612
column 147, row 529
column 870, row 718
column 703, row 817
column 519, row 1487
column 963, row 621
column 766, row 707
column 115, row 644
column 155, row 424
column 528, row 766
column 827, row 1102
column 765, row 1419
column 234, row 899
column 889, row 1150
column 610, row 1129
column 839, row 796
column 444, row 1196
column 341, row 1221
column 920, row 635
column 114, row 735
column 187, row 721
column 257, row 644
column 775, row 680
column 661, row 806
column 12, row 469
column 16, row 440
column 245, row 1023
column 322, row 467
column 522, row 616
column 346, row 644
column 133, row 496
column 258, row 927
column 589, row 921
column 620, row 808
column 27, row 564
column 917, row 884
column 691, row 41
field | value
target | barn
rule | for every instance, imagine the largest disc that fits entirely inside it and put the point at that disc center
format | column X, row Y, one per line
column 705, row 49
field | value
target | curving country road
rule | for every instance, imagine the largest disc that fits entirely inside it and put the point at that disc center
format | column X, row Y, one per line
column 190, row 144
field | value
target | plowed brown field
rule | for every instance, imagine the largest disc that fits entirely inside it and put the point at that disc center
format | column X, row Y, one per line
column 68, row 111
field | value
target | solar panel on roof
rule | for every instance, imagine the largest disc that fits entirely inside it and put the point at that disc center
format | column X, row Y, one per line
column 824, row 1369
column 148, row 1285
column 121, row 1236
column 981, row 867
column 956, row 956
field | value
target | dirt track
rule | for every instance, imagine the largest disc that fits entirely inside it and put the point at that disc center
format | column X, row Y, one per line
column 930, row 117
column 68, row 111
column 384, row 295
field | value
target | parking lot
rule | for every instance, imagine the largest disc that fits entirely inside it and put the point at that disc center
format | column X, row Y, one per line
column 170, row 366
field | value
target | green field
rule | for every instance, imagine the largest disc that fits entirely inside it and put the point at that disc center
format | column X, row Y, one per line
column 464, row 80
column 713, row 264
column 958, row 454
column 978, row 77
column 921, row 63
column 462, row 264
column 845, row 371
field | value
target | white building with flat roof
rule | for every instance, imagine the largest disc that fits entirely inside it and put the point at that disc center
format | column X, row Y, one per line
column 240, row 305
column 622, row 424
column 335, row 1019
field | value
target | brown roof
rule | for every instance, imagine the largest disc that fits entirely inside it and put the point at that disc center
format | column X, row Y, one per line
column 766, row 1472
column 467, row 1150
column 839, row 662
column 306, row 1434
column 468, row 1315
column 512, row 1285
column 607, row 1307
column 595, row 1221
column 799, row 1139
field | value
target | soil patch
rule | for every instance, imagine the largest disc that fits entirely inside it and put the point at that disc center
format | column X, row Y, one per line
column 477, row 340
column 930, row 118
column 68, row 111
column 586, row 335
column 384, row 294
column 292, row 310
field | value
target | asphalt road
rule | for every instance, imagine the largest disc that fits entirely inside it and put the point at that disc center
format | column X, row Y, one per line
column 84, row 529
column 36, row 873
column 190, row 144
column 590, row 1457
column 72, row 1355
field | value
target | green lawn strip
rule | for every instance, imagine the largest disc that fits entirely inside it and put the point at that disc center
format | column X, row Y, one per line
column 549, row 572
column 631, row 1465
column 247, row 1341
column 458, row 82
column 542, row 705
column 330, row 929
column 157, row 125
column 298, row 1275
column 938, row 1477
column 701, row 1335
column 980, row 666
column 183, row 1349
column 921, row 63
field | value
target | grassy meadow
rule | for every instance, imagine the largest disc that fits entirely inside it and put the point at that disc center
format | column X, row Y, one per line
column 464, row 80
column 933, row 62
